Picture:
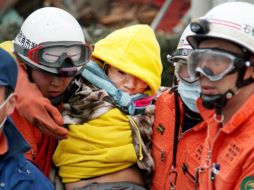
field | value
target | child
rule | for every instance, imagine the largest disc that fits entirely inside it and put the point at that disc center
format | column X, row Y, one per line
column 110, row 116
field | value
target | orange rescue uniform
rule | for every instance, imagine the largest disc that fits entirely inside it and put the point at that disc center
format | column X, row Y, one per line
column 231, row 149
column 189, row 148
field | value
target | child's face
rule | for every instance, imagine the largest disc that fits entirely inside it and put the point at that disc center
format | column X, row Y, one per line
column 126, row 82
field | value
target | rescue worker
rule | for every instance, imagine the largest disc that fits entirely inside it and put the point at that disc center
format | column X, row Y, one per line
column 175, row 136
column 223, row 60
column 17, row 173
column 50, row 49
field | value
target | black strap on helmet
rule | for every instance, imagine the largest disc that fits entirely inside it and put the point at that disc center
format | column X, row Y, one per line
column 240, row 79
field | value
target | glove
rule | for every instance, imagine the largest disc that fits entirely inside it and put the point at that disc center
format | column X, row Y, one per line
column 37, row 109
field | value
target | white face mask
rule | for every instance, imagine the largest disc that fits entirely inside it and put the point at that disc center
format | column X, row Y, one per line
column 189, row 94
column 1, row 106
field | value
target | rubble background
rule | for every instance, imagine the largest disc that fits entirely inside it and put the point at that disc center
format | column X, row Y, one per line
column 100, row 17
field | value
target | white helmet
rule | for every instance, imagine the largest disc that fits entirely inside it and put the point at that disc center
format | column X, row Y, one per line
column 179, row 57
column 231, row 21
column 45, row 30
column 183, row 48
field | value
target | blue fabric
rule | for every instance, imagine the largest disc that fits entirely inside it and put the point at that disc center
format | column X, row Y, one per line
column 17, row 173
column 8, row 70
column 94, row 74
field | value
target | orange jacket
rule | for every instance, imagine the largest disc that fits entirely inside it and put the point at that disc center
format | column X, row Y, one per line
column 232, row 148
column 42, row 145
column 188, row 150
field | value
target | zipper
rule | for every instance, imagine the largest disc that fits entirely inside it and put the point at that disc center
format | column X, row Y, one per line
column 210, row 148
column 209, row 161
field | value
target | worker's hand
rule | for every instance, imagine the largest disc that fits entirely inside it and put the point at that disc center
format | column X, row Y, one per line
column 45, row 116
column 37, row 109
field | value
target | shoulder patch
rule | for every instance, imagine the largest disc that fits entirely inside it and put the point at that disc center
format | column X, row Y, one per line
column 160, row 129
column 247, row 183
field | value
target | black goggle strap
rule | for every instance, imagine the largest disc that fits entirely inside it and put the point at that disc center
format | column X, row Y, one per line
column 241, row 71
column 240, row 79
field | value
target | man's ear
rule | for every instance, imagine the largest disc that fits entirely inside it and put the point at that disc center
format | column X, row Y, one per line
column 11, row 103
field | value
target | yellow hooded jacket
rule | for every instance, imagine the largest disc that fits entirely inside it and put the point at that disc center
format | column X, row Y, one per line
column 105, row 145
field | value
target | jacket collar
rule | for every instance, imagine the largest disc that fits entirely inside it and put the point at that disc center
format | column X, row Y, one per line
column 243, row 114
column 16, row 143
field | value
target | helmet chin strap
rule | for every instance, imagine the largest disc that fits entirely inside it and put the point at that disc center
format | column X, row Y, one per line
column 219, row 101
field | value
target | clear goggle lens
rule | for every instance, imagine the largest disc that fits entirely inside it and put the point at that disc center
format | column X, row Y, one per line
column 181, row 71
column 213, row 64
column 52, row 54
column 179, row 60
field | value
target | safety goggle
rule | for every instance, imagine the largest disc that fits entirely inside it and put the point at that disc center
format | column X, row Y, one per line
column 178, row 59
column 181, row 71
column 53, row 54
column 213, row 64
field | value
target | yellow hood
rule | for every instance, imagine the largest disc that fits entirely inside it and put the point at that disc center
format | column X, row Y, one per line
column 8, row 46
column 134, row 50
